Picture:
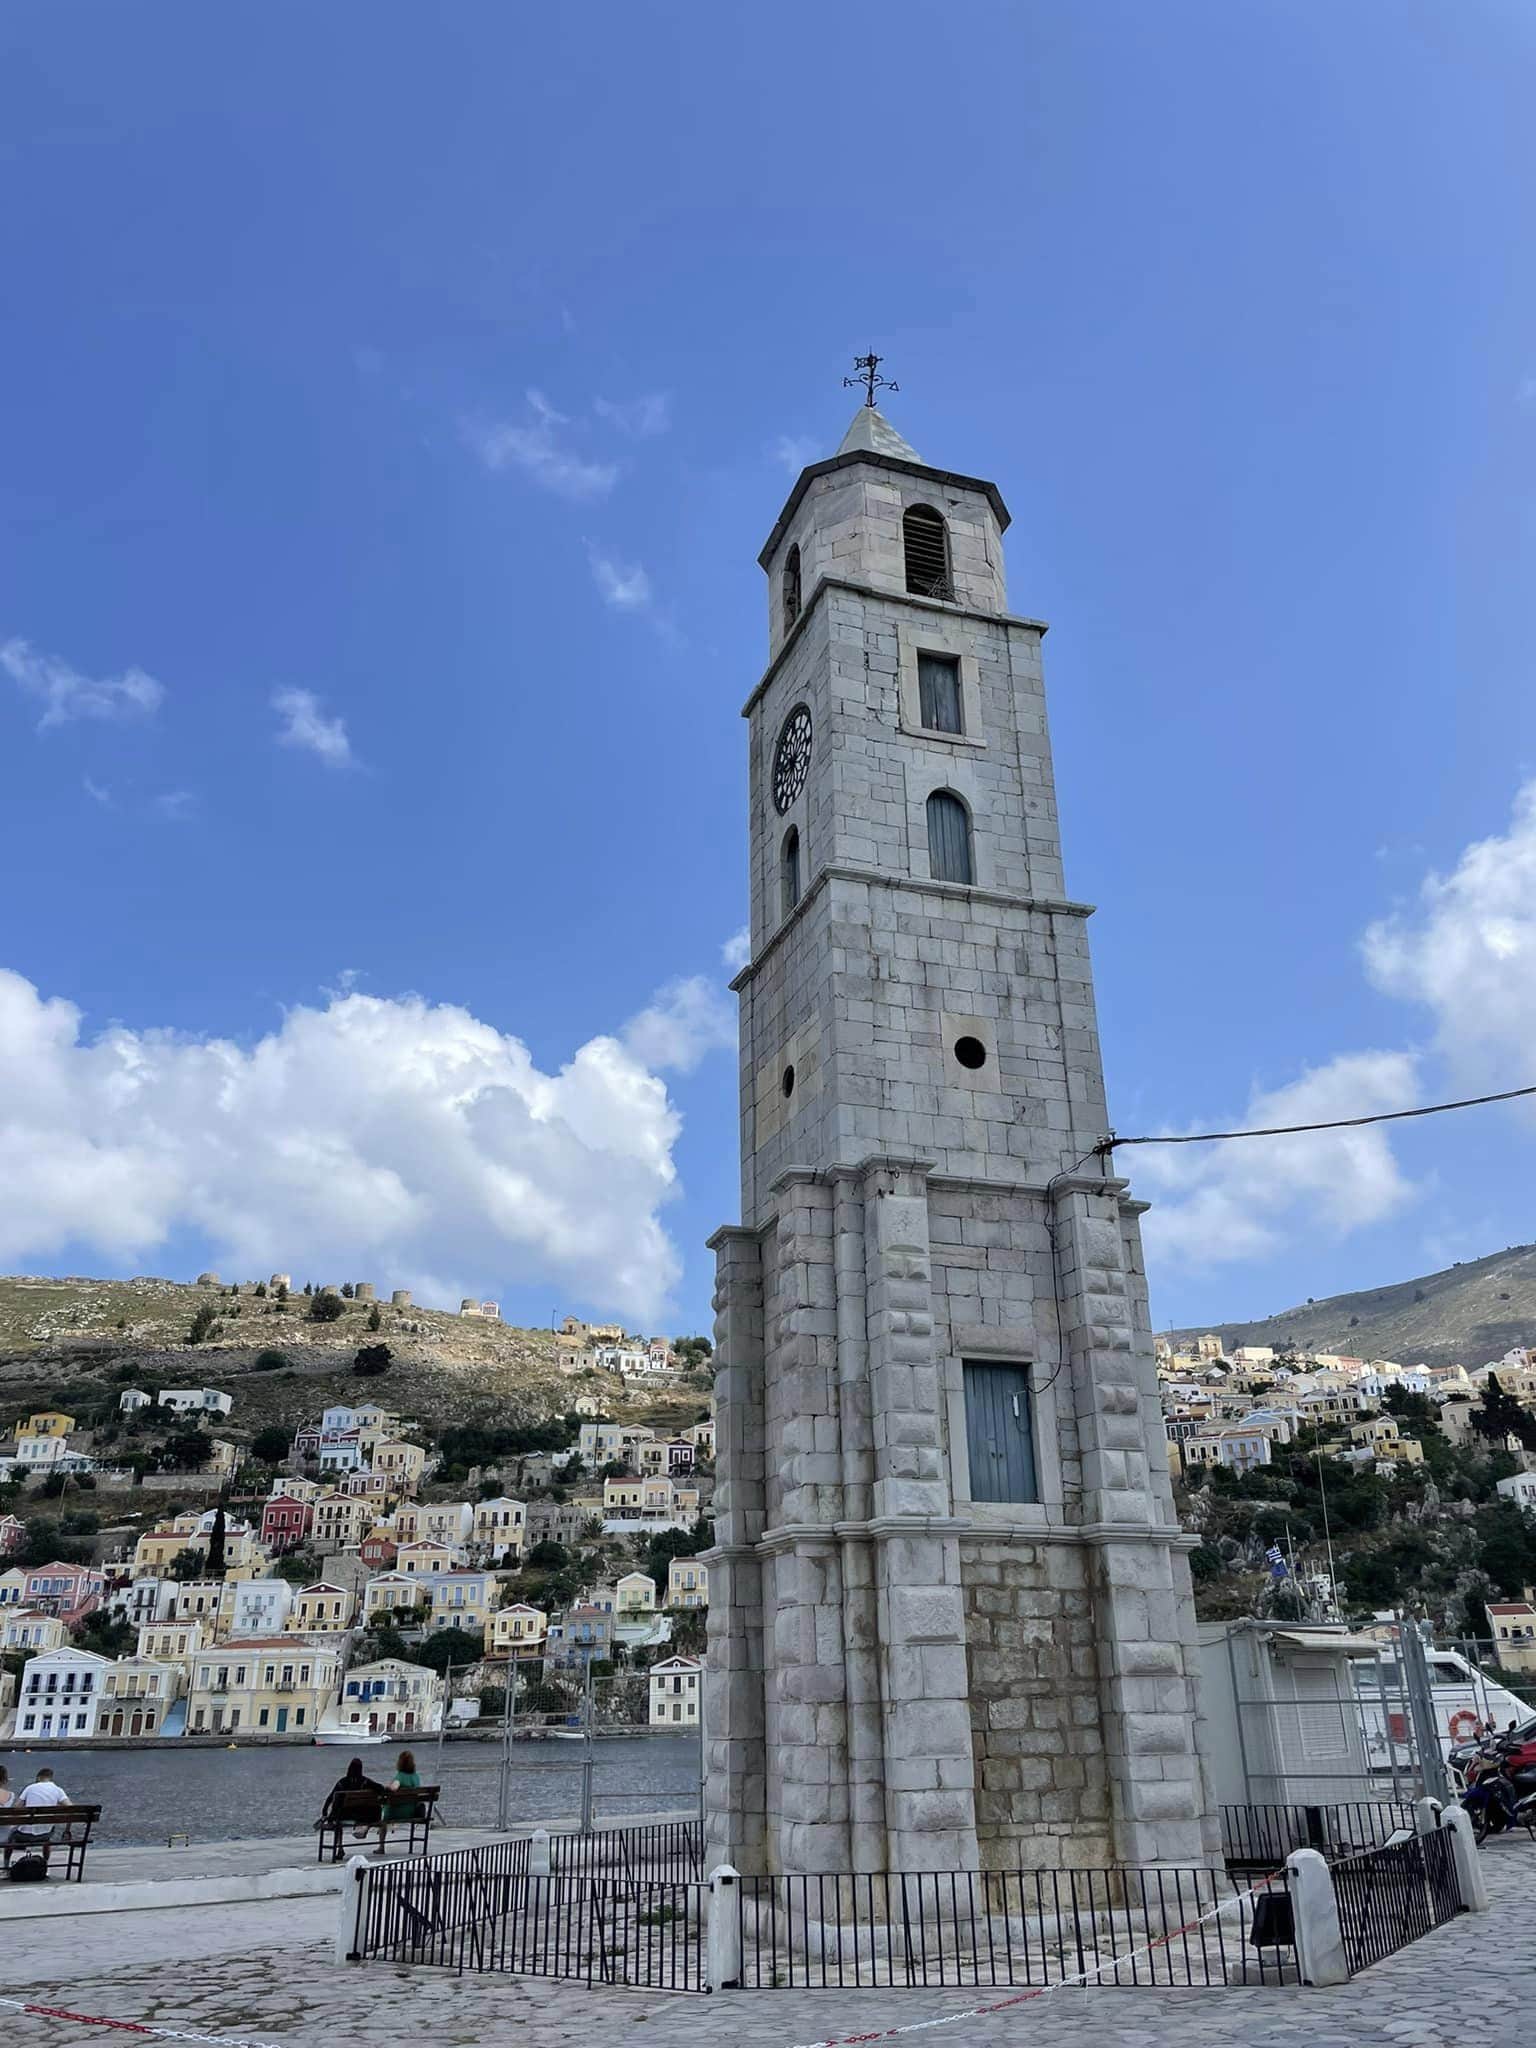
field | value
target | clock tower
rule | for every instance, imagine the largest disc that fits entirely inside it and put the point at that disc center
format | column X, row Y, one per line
column 950, row 1615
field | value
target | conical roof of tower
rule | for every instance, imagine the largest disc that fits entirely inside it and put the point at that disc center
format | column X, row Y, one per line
column 871, row 433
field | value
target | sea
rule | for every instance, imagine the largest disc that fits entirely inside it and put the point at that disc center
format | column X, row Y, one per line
column 217, row 1795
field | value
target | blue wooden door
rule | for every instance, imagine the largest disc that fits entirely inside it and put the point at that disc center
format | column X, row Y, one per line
column 999, row 1433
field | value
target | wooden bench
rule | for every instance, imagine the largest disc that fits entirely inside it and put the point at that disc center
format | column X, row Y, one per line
column 365, row 1809
column 76, row 1822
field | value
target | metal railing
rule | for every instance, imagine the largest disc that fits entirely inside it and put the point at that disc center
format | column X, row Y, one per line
column 1018, row 1927
column 1393, row 1895
column 1255, row 1839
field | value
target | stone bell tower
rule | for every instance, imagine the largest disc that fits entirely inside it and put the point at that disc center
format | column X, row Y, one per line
column 950, row 1615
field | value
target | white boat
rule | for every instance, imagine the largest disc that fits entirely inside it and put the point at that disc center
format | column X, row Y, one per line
column 355, row 1738
column 1465, row 1699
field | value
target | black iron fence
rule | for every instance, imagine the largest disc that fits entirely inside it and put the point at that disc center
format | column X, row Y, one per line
column 1392, row 1895
column 1257, row 1839
column 1017, row 1927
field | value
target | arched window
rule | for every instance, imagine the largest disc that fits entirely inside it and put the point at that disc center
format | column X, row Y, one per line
column 925, row 546
column 791, row 587
column 789, row 872
column 949, row 838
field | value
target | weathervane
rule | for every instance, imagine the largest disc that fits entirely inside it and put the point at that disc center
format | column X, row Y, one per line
column 867, row 367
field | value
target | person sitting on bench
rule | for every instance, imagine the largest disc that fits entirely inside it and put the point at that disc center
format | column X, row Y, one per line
column 353, row 1779
column 28, row 1837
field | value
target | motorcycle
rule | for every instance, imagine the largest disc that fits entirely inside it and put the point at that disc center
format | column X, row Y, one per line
column 1497, row 1798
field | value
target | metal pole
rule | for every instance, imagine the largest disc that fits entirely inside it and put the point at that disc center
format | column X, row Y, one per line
column 1317, row 1452
column 442, row 1726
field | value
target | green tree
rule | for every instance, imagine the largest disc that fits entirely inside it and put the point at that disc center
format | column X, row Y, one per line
column 270, row 1361
column 455, row 1646
column 216, row 1540
column 1499, row 1415
column 270, row 1446
column 46, row 1543
column 347, row 1290
column 326, row 1306
column 109, row 1635
column 372, row 1358
column 186, row 1564
column 188, row 1452
column 375, row 1318
column 203, row 1323
column 282, row 1290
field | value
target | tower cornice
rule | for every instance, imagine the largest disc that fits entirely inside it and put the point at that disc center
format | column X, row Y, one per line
column 907, row 597
column 873, row 458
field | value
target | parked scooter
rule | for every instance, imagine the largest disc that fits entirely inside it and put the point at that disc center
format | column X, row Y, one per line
column 1497, row 1798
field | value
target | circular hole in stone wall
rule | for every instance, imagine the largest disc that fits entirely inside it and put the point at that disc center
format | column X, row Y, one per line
column 788, row 1082
column 970, row 1052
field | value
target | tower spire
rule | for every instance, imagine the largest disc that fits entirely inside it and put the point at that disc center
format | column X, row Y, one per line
column 865, row 368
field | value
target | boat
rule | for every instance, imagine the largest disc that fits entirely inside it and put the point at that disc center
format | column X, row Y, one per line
column 1464, row 1698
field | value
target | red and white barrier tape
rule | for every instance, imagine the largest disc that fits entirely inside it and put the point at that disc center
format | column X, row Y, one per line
column 95, row 2019
column 974, row 2012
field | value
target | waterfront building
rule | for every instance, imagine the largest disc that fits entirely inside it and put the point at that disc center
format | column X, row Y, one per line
column 583, row 1636
column 675, row 1691
column 59, row 1694
column 138, row 1694
column 387, row 1697
column 274, row 1685
column 1514, row 1632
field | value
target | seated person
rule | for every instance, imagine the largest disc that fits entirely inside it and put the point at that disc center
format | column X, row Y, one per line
column 29, row 1836
column 353, row 1779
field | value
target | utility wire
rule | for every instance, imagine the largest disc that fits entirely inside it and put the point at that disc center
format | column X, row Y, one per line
column 1343, row 1123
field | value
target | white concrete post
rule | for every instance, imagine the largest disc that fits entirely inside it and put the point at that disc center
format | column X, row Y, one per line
column 538, row 1853
column 722, row 1949
column 1315, row 1906
column 352, row 1909
column 1426, row 1815
column 1469, row 1864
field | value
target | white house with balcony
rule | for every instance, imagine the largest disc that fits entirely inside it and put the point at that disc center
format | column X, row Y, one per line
column 387, row 1697
column 259, row 1607
column 676, row 1687
column 194, row 1400
column 59, row 1695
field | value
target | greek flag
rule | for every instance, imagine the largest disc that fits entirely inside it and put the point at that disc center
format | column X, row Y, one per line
column 1274, row 1557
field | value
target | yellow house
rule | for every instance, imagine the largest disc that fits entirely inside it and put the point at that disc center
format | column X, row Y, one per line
column 24, row 1628
column 320, row 1609
column 635, row 1593
column 516, row 1631
column 273, row 1685
column 386, row 1591
column 209, row 1601
column 170, row 1642
column 460, row 1600
column 341, row 1521
column 687, row 1583
column 426, row 1560
column 498, row 1527
column 136, row 1695
column 47, row 1422
column 157, row 1547
column 402, row 1464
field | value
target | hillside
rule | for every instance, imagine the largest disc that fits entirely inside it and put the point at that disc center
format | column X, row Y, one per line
column 1469, row 1314
column 68, row 1339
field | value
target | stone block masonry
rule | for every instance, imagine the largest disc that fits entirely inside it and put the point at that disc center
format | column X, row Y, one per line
column 950, row 1623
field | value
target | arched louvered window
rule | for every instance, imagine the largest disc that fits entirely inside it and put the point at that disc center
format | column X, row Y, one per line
column 949, row 838
column 789, row 872
column 925, row 545
column 791, row 587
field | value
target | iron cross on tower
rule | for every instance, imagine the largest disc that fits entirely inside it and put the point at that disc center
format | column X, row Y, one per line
column 866, row 367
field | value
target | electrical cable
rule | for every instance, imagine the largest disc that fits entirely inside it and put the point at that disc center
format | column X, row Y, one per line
column 1341, row 1123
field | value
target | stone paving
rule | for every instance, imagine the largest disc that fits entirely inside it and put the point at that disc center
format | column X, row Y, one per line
column 263, row 1974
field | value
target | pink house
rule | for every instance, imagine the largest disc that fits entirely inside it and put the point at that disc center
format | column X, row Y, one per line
column 68, row 1591
column 286, row 1522
column 12, row 1534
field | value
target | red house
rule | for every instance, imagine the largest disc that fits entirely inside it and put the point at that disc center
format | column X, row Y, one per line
column 378, row 1550
column 286, row 1522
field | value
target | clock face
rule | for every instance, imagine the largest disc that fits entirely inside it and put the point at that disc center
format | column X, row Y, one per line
column 792, row 758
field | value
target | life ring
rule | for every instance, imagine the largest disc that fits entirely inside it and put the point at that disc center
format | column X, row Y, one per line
column 1464, row 1725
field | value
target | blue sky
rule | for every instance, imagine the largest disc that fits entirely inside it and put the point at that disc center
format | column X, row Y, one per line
column 394, row 404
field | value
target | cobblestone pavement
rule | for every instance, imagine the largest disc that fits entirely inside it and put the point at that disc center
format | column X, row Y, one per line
column 263, row 1973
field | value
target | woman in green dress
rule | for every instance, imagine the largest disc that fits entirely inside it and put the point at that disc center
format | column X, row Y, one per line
column 406, row 1782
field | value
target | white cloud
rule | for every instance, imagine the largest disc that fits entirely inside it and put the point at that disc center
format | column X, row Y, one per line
column 66, row 695
column 1240, row 1200
column 1525, row 390
column 176, row 804
column 737, row 950
column 640, row 418
column 305, row 725
column 624, row 585
column 684, row 1021
column 536, row 447
column 794, row 451
column 1468, row 952
column 96, row 791
column 395, row 1136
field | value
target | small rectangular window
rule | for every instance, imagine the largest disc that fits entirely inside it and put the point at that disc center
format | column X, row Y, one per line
column 938, row 692
column 1000, row 1432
